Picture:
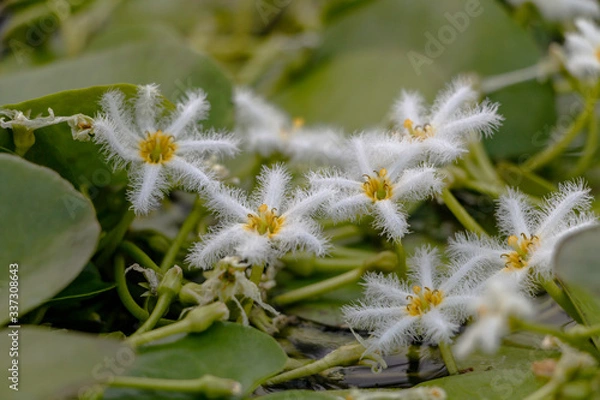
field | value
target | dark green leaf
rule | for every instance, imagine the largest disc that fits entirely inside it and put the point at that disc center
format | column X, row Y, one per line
column 226, row 350
column 48, row 229
column 58, row 364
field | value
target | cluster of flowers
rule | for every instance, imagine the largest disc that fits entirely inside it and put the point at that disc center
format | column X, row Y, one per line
column 494, row 274
column 375, row 173
column 379, row 171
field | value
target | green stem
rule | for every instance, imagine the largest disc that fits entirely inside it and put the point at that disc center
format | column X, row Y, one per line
column 483, row 161
column 498, row 82
column 319, row 288
column 161, row 308
column 563, row 300
column 555, row 149
column 348, row 252
column 112, row 240
column 343, row 233
column 461, row 214
column 123, row 291
column 386, row 261
column 402, row 270
column 197, row 320
column 545, row 392
column 255, row 276
column 591, row 145
column 345, row 355
column 188, row 226
column 576, row 342
column 448, row 358
column 208, row 385
column 139, row 256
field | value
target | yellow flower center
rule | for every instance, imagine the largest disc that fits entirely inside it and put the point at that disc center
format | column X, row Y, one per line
column 423, row 300
column 297, row 123
column 265, row 222
column 598, row 53
column 378, row 186
column 522, row 246
column 157, row 148
column 418, row 132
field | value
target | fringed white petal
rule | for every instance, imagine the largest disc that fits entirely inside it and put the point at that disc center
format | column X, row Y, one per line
column 147, row 107
column 194, row 108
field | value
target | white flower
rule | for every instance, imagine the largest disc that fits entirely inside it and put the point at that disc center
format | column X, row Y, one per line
column 499, row 301
column 315, row 146
column 373, row 184
column 531, row 233
column 260, row 125
column 266, row 130
column 265, row 227
column 583, row 50
column 445, row 129
column 563, row 10
column 432, row 309
column 226, row 283
column 81, row 125
column 158, row 152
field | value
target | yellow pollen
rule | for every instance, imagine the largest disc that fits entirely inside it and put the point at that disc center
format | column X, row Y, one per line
column 418, row 132
column 297, row 123
column 265, row 222
column 378, row 186
column 523, row 245
column 157, row 148
column 423, row 300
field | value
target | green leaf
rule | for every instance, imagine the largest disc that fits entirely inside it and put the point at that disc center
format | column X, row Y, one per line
column 87, row 284
column 58, row 364
column 225, row 350
column 48, row 229
column 81, row 163
column 365, row 60
column 577, row 265
column 576, row 261
column 174, row 66
column 507, row 374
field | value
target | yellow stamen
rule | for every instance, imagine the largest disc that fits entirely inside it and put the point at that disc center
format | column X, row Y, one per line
column 378, row 186
column 265, row 222
column 157, row 148
column 423, row 300
column 297, row 123
column 418, row 132
column 519, row 258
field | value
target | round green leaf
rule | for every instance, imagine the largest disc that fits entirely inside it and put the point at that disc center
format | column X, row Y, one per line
column 49, row 230
column 504, row 375
column 578, row 268
column 226, row 350
column 577, row 262
column 58, row 364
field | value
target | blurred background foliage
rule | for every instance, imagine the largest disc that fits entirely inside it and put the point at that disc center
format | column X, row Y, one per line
column 334, row 62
